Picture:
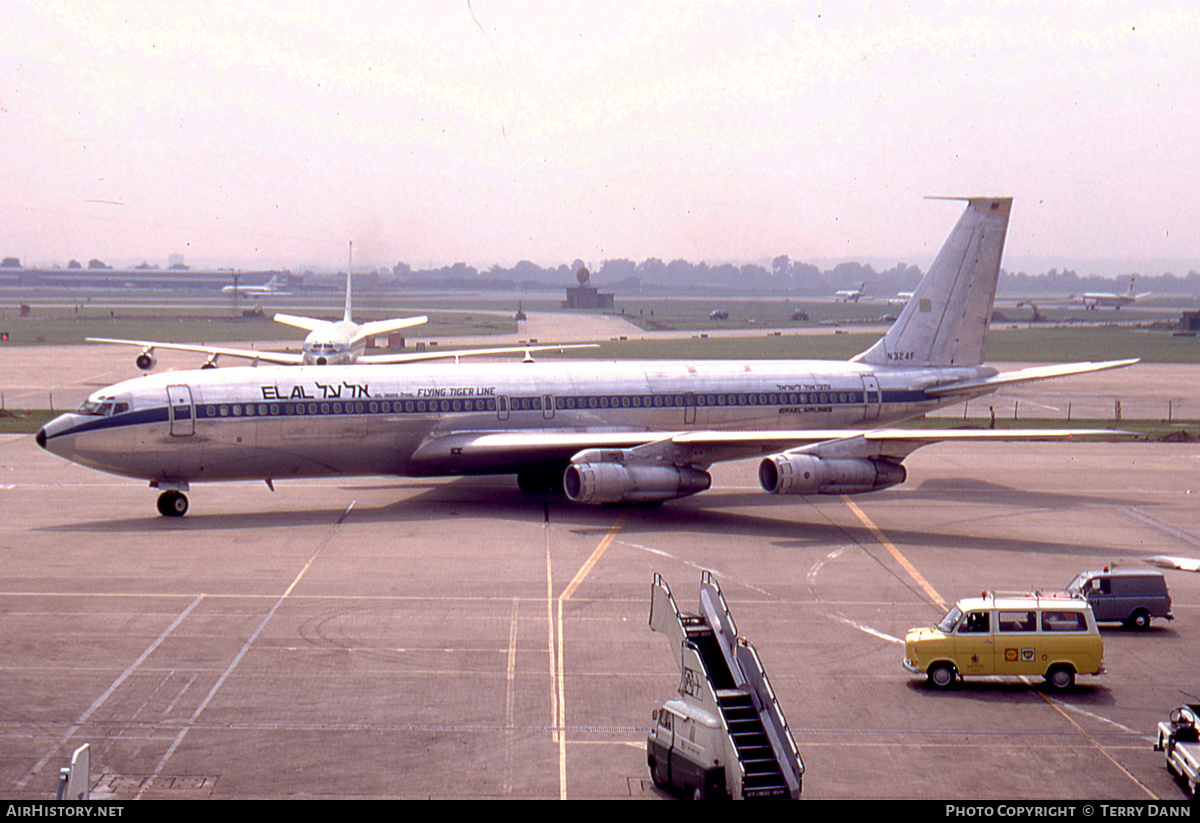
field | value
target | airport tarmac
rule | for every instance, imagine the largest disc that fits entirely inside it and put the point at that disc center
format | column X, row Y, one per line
column 398, row 638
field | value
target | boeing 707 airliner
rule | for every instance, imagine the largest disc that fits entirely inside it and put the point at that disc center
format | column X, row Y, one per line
column 602, row 432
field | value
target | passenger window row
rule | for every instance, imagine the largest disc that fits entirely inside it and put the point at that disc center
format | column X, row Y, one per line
column 527, row 404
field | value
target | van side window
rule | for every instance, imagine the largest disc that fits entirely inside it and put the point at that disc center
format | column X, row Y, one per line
column 976, row 623
column 1017, row 621
column 1073, row 621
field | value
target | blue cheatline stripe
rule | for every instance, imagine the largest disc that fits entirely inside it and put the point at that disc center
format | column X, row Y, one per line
column 516, row 403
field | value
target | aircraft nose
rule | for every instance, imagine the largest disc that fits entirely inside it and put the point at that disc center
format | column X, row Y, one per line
column 56, row 437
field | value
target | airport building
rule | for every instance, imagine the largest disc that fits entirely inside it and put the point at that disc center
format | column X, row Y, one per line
column 175, row 278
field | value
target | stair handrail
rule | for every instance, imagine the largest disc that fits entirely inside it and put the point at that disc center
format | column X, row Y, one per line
column 734, row 767
column 771, row 713
column 660, row 620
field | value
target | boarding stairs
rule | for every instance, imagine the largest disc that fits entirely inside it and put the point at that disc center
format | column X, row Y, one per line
column 722, row 673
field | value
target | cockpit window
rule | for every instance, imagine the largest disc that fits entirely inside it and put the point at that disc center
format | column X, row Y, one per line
column 102, row 407
column 99, row 406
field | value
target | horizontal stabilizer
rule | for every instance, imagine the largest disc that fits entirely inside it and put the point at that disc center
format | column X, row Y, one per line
column 988, row 384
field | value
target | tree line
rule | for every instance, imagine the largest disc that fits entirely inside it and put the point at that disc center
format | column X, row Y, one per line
column 783, row 276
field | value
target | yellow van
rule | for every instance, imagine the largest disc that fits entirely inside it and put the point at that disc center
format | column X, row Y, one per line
column 1051, row 635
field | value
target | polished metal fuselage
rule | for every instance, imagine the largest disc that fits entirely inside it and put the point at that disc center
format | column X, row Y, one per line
column 279, row 422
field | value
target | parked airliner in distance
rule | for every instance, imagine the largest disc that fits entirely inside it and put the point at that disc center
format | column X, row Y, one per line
column 271, row 287
column 328, row 342
column 603, row 432
column 1092, row 299
column 847, row 295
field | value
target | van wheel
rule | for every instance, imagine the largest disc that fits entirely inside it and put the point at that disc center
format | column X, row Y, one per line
column 1061, row 678
column 941, row 675
column 1139, row 620
column 658, row 773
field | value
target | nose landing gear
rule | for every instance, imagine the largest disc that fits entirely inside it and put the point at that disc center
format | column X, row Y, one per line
column 172, row 503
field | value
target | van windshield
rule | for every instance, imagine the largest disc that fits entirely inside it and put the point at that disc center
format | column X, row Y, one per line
column 951, row 619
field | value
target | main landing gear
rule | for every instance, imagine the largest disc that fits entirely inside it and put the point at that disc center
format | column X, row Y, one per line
column 541, row 480
column 172, row 503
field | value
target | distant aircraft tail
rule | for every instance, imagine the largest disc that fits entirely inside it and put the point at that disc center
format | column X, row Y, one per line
column 945, row 322
column 349, row 274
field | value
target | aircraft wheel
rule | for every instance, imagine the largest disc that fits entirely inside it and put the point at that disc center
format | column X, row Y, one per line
column 172, row 504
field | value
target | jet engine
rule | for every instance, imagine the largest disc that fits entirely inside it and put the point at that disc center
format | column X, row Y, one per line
column 809, row 474
column 614, row 482
column 145, row 361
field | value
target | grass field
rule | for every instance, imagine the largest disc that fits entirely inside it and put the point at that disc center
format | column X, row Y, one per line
column 64, row 324
column 55, row 319
column 1049, row 345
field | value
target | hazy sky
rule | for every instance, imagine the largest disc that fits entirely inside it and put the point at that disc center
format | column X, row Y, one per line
column 271, row 133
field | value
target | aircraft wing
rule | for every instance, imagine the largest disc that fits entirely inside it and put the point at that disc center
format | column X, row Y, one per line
column 421, row 356
column 1163, row 561
column 988, row 384
column 385, row 326
column 280, row 358
column 306, row 323
column 497, row 449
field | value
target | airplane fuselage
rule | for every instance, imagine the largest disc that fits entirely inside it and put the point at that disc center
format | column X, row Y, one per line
column 1116, row 301
column 337, row 344
column 280, row 422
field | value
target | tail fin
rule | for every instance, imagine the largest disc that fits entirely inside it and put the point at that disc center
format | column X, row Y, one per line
column 945, row 322
column 349, row 274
